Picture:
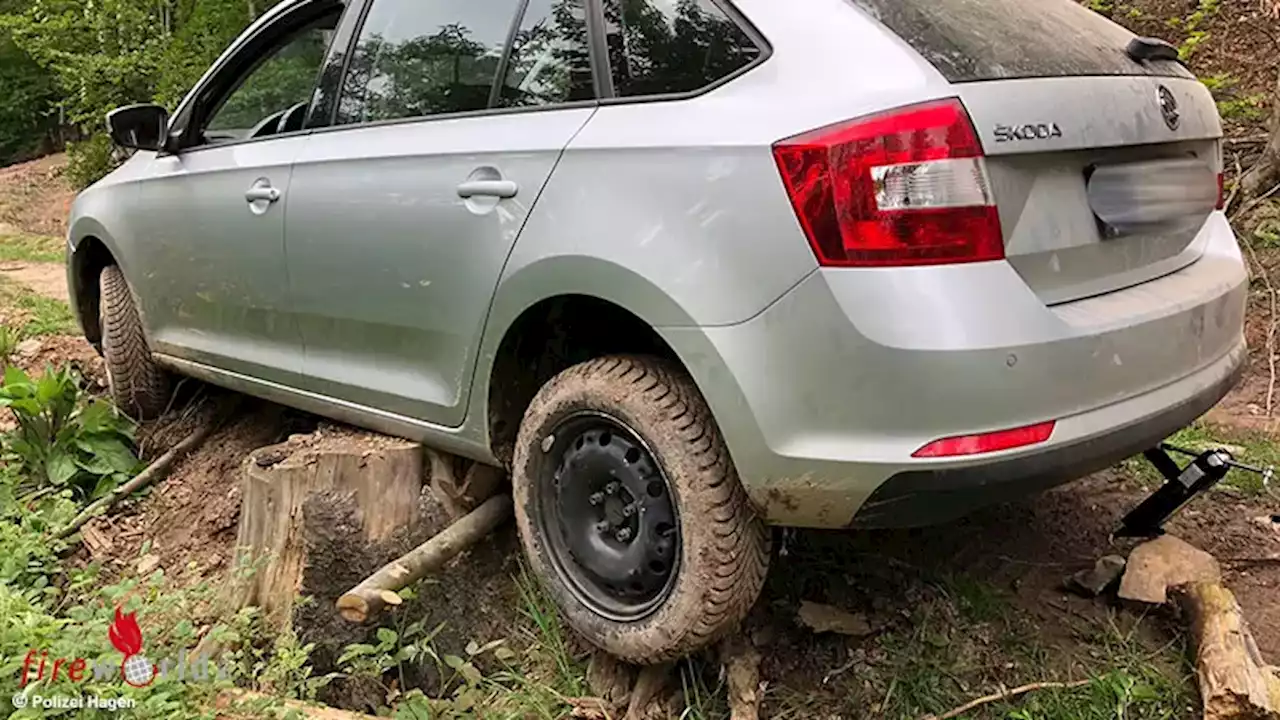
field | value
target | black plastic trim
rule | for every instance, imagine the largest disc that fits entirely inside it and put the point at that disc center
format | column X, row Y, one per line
column 340, row 50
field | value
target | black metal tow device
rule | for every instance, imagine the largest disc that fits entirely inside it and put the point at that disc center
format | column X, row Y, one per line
column 1182, row 485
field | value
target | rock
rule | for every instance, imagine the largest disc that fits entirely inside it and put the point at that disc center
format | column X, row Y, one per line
column 147, row 564
column 29, row 348
column 1102, row 575
column 1157, row 566
column 825, row 618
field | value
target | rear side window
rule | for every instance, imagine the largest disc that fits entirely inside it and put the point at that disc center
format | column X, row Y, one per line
column 658, row 47
column 416, row 58
column 968, row 40
column 550, row 57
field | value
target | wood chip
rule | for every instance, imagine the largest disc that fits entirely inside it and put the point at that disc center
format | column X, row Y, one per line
column 825, row 618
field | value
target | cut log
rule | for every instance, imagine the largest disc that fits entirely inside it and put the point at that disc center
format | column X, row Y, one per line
column 367, row 599
column 742, row 672
column 1235, row 682
column 306, row 502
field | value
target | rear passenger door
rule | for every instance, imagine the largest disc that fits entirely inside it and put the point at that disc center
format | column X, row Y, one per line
column 448, row 120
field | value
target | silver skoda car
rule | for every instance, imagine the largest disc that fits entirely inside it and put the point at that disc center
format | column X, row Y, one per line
column 688, row 268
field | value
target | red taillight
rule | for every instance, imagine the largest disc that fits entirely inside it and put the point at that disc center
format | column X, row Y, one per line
column 986, row 442
column 1222, row 192
column 907, row 187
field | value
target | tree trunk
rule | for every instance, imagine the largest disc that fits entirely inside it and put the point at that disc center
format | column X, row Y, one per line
column 1266, row 173
column 312, row 504
column 1235, row 682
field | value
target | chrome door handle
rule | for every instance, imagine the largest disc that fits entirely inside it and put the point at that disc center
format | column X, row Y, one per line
column 259, row 193
column 488, row 188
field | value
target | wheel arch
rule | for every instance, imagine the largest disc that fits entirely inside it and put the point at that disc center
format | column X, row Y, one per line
column 92, row 250
column 556, row 314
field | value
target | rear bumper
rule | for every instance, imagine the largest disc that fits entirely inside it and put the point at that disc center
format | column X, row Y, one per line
column 927, row 497
column 825, row 396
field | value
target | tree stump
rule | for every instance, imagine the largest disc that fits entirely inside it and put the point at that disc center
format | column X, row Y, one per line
column 310, row 503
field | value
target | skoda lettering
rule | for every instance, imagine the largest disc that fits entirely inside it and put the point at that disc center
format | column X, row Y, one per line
column 1033, row 131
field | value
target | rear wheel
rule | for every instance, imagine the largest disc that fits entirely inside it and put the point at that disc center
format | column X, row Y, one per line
column 631, row 511
column 138, row 385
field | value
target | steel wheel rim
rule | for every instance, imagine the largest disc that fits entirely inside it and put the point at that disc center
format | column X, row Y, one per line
column 608, row 513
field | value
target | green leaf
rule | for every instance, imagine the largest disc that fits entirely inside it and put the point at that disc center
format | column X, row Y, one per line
column 105, row 485
column 48, row 387
column 96, row 417
column 110, row 449
column 61, row 467
column 14, row 375
column 387, row 636
column 95, row 465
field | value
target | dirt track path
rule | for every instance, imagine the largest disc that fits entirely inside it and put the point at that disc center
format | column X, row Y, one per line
column 47, row 279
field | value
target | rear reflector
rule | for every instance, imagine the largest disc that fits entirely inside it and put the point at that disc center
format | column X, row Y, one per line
column 1222, row 192
column 907, row 187
column 987, row 442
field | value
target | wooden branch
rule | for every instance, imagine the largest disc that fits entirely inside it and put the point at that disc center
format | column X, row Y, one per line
column 157, row 470
column 379, row 590
column 997, row 697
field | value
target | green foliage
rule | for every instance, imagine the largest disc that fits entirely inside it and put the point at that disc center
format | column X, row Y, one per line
column 36, row 314
column 1191, row 24
column 89, row 161
column 99, row 55
column 27, row 114
column 8, row 343
column 64, row 440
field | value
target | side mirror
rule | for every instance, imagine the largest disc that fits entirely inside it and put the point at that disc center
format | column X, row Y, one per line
column 139, row 127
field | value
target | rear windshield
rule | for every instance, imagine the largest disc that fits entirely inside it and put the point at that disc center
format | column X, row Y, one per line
column 970, row 40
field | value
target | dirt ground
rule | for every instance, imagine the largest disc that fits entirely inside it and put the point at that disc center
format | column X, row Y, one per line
column 33, row 197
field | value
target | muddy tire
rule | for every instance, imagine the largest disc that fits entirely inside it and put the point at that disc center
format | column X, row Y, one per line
column 138, row 385
column 631, row 511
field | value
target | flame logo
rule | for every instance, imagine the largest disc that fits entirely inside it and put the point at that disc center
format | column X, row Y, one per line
column 125, row 633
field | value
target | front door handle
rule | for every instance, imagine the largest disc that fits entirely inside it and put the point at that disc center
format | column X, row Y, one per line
column 260, row 192
column 488, row 188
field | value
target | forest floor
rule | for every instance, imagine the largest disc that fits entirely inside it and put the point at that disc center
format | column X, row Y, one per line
column 946, row 614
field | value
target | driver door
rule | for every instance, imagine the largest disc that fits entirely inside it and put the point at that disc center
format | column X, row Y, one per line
column 214, row 209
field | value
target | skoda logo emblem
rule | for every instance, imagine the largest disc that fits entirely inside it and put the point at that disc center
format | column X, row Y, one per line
column 1169, row 108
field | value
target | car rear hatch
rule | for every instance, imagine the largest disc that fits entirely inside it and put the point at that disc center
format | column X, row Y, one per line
column 1103, row 167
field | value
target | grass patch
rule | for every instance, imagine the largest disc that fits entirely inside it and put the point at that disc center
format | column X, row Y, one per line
column 31, row 248
column 34, row 315
column 968, row 639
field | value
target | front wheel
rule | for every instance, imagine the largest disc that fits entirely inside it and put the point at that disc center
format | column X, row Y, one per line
column 631, row 512
column 138, row 385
